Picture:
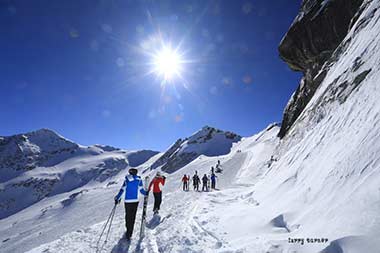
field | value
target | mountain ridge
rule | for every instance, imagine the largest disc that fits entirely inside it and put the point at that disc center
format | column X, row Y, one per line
column 43, row 163
column 207, row 141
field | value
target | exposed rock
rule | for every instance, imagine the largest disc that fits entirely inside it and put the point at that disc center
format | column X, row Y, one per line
column 68, row 201
column 106, row 148
column 164, row 159
column 208, row 141
column 23, row 152
column 315, row 34
column 139, row 157
column 42, row 163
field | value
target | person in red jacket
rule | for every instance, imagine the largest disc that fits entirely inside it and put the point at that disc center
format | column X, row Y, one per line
column 157, row 183
column 185, row 181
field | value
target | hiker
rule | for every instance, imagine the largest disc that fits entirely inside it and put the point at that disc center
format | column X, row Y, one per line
column 196, row 181
column 212, row 169
column 157, row 183
column 204, row 183
column 185, row 181
column 131, row 186
column 218, row 168
column 213, row 181
column 208, row 182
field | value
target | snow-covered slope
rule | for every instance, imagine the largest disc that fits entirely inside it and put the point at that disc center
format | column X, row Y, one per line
column 208, row 141
column 23, row 152
column 326, row 180
column 321, row 181
column 73, row 220
column 42, row 163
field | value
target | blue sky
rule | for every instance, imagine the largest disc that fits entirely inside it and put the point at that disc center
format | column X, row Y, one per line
column 81, row 68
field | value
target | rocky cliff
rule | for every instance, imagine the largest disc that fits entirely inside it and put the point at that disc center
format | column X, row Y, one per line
column 315, row 34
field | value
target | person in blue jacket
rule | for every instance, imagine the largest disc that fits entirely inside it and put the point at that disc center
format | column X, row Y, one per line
column 132, row 185
column 213, row 181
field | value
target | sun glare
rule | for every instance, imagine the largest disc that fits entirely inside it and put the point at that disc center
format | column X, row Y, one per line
column 167, row 64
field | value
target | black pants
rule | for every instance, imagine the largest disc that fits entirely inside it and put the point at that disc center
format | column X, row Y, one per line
column 213, row 184
column 130, row 216
column 204, row 186
column 157, row 200
column 196, row 187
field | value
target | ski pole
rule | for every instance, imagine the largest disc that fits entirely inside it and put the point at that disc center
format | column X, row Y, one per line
column 109, row 228
column 109, row 221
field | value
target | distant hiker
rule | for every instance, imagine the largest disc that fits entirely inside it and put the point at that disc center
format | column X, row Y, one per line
column 208, row 182
column 196, row 181
column 213, row 181
column 204, row 183
column 218, row 169
column 212, row 170
column 131, row 186
column 157, row 183
column 185, row 182
column 272, row 159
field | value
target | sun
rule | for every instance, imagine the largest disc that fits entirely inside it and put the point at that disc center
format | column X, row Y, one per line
column 167, row 64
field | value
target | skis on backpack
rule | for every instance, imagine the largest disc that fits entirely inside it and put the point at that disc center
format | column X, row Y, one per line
column 143, row 219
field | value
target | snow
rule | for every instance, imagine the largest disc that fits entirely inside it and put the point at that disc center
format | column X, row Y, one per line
column 209, row 141
column 71, row 221
column 56, row 165
column 321, row 182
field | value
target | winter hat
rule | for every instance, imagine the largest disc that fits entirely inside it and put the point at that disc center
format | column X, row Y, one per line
column 158, row 174
column 132, row 171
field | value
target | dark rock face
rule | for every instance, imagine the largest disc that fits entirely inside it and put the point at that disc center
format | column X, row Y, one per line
column 168, row 155
column 317, row 31
column 178, row 161
column 137, row 158
column 208, row 141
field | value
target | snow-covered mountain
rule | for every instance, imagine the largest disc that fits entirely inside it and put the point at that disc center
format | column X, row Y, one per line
column 315, row 189
column 208, row 141
column 23, row 152
column 42, row 163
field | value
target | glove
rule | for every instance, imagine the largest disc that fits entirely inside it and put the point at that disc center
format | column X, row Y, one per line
column 117, row 201
column 164, row 177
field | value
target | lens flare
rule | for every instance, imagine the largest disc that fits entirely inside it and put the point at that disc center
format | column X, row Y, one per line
column 167, row 63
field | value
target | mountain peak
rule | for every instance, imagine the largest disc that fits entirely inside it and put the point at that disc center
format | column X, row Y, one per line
column 48, row 139
column 45, row 132
column 33, row 149
column 208, row 141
